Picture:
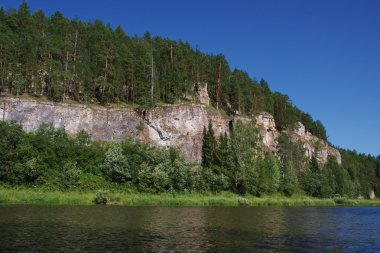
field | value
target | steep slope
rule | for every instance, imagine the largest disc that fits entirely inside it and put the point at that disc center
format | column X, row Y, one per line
column 179, row 126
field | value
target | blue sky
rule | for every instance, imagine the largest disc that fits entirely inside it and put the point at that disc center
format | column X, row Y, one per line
column 324, row 54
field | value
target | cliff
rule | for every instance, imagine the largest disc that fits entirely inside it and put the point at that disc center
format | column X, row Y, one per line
column 173, row 125
column 312, row 145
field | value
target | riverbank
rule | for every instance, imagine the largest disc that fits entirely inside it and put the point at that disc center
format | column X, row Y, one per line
column 40, row 196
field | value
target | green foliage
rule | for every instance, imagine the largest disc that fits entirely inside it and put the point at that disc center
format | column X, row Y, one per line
column 363, row 173
column 83, row 138
column 115, row 164
column 102, row 197
column 268, row 175
column 243, row 201
column 91, row 182
column 318, row 182
column 289, row 180
column 91, row 62
column 180, row 175
column 48, row 159
column 292, row 153
column 70, row 175
column 216, row 182
column 209, row 147
column 153, row 179
column 245, row 148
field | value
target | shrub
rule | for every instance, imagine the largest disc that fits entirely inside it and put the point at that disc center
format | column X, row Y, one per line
column 115, row 165
column 102, row 198
column 88, row 181
column 216, row 182
column 153, row 179
column 179, row 175
column 196, row 180
column 243, row 201
column 339, row 199
column 70, row 175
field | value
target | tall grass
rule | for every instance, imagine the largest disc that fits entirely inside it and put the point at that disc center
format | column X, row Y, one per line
column 40, row 196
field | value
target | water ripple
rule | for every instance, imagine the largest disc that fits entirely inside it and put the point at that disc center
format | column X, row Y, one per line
column 186, row 229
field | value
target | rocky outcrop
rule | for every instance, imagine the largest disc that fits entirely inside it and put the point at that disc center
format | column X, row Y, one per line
column 313, row 146
column 177, row 125
column 268, row 131
column 101, row 123
column 201, row 92
column 180, row 126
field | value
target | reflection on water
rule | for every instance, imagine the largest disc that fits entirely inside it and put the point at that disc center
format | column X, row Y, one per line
column 184, row 229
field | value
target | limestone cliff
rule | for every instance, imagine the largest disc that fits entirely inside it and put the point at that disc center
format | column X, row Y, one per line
column 177, row 125
column 313, row 146
column 268, row 131
column 180, row 126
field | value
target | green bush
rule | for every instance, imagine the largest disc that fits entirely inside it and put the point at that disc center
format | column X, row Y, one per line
column 153, row 179
column 216, row 182
column 196, row 180
column 243, row 201
column 88, row 181
column 70, row 175
column 102, row 198
column 115, row 165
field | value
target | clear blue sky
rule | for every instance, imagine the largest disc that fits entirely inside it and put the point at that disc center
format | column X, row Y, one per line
column 325, row 54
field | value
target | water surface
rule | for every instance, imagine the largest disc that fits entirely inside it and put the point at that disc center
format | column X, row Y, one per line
column 188, row 229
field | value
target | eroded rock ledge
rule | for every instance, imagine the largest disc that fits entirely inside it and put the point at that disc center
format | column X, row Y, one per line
column 175, row 125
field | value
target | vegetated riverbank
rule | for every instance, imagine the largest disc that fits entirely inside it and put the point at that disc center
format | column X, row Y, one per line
column 41, row 196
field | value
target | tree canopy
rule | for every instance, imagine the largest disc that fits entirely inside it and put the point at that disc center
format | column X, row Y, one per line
column 65, row 59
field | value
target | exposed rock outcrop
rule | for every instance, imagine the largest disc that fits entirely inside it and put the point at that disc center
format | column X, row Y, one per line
column 177, row 125
column 101, row 123
column 313, row 145
column 268, row 130
column 202, row 93
column 180, row 126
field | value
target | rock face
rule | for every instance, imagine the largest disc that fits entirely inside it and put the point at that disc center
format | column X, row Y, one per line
column 180, row 126
column 314, row 146
column 100, row 123
column 268, row 131
column 202, row 93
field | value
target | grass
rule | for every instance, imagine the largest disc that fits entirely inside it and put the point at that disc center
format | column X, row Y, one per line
column 40, row 196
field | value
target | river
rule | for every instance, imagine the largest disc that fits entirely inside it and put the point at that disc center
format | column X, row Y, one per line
column 188, row 229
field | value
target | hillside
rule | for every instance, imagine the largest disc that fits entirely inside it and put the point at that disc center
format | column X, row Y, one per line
column 91, row 62
column 64, row 80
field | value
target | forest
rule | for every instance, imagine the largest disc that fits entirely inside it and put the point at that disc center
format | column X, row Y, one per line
column 62, row 59
column 52, row 160
column 92, row 62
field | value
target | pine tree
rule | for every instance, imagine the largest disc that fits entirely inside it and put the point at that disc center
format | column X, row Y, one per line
column 209, row 147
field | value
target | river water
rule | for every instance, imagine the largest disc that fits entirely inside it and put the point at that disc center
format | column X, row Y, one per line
column 188, row 229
